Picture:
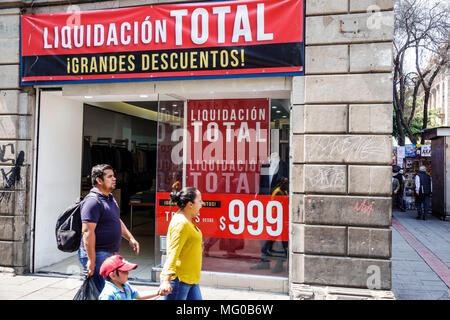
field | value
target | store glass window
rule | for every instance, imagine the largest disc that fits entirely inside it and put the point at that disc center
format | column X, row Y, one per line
column 236, row 152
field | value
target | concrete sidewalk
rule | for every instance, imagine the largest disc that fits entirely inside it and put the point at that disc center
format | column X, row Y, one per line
column 40, row 287
column 420, row 269
column 420, row 257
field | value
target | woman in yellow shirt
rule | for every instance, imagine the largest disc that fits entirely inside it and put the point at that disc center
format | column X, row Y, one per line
column 181, row 272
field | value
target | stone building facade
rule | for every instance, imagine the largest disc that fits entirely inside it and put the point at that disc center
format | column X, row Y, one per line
column 341, row 124
column 439, row 97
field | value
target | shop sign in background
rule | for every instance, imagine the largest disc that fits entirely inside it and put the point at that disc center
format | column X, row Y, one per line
column 425, row 150
column 228, row 38
column 400, row 155
column 411, row 150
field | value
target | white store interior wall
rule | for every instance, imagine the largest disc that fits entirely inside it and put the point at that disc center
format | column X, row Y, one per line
column 58, row 170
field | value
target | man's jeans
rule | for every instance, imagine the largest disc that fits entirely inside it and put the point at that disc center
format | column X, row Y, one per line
column 100, row 256
column 399, row 199
column 423, row 205
column 184, row 291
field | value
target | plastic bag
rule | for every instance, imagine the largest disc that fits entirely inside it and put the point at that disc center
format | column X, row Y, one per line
column 87, row 291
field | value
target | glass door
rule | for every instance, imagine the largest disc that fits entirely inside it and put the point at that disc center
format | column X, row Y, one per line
column 236, row 152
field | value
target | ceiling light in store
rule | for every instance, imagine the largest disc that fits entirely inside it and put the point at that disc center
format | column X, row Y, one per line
column 176, row 112
column 274, row 107
column 162, row 109
column 174, row 105
column 284, row 116
column 278, row 111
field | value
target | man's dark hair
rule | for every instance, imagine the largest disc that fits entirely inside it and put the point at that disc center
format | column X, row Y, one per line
column 98, row 171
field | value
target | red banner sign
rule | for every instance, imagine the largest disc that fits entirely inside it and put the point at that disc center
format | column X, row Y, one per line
column 233, row 216
column 160, row 41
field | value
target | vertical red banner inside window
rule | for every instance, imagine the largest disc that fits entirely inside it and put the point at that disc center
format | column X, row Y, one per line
column 226, row 144
column 228, row 141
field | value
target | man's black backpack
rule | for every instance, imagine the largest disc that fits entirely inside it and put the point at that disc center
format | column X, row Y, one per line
column 68, row 226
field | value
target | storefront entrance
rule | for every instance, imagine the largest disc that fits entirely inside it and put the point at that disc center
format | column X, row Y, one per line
column 122, row 134
column 237, row 154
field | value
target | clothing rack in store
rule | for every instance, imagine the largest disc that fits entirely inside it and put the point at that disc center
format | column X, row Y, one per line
column 146, row 146
column 121, row 143
column 143, row 145
column 108, row 141
column 89, row 139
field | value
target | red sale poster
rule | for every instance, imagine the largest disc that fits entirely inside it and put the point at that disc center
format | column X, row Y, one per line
column 227, row 142
column 233, row 216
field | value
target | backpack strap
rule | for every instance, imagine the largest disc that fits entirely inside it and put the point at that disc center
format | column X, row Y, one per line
column 96, row 196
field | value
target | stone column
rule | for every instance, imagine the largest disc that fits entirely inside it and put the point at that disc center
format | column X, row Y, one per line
column 340, row 244
column 446, row 109
column 16, row 129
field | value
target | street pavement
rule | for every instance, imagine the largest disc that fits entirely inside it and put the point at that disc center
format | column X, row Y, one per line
column 45, row 287
column 420, row 257
column 420, row 269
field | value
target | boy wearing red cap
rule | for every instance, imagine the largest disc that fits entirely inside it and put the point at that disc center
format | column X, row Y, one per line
column 115, row 270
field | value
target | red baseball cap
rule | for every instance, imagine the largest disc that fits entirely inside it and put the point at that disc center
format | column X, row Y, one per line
column 116, row 262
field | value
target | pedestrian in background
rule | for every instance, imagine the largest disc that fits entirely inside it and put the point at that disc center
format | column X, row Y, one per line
column 181, row 272
column 399, row 197
column 424, row 189
column 395, row 189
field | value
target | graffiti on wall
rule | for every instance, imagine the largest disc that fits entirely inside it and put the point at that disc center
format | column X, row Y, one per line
column 9, row 177
column 364, row 207
column 328, row 178
column 3, row 152
column 347, row 148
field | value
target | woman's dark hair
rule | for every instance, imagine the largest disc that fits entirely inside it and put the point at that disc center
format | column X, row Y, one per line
column 184, row 196
column 98, row 172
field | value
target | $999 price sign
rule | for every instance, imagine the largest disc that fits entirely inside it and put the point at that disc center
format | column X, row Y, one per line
column 233, row 216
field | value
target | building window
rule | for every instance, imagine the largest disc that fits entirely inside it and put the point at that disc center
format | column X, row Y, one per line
column 236, row 152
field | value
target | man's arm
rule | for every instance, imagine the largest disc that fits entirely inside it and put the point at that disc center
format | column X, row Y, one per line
column 396, row 185
column 417, row 181
column 128, row 236
column 88, row 230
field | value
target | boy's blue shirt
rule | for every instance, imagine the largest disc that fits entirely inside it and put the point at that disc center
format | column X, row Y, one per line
column 111, row 292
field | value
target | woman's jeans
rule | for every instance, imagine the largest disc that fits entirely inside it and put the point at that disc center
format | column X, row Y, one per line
column 100, row 256
column 184, row 291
